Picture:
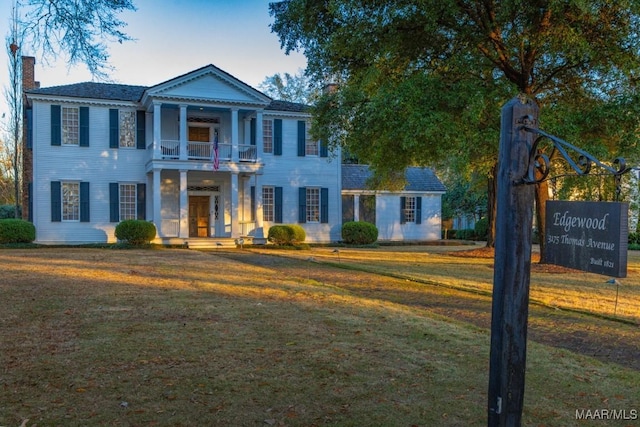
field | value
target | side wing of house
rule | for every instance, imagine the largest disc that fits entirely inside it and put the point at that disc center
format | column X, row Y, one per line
column 413, row 214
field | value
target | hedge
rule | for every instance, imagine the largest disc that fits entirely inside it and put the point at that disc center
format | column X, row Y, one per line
column 135, row 231
column 16, row 231
column 359, row 233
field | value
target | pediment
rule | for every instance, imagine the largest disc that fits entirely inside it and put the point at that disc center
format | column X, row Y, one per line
column 208, row 84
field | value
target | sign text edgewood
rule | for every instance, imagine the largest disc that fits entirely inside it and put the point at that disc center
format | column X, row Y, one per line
column 588, row 236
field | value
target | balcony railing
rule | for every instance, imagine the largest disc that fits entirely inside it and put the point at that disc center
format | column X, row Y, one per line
column 170, row 149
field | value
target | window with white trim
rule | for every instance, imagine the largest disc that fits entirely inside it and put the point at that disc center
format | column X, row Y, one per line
column 267, row 136
column 410, row 209
column 128, row 199
column 268, row 203
column 127, row 129
column 313, row 204
column 70, row 192
column 70, row 126
column 311, row 146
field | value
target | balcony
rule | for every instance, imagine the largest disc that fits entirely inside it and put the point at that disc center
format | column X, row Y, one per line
column 205, row 151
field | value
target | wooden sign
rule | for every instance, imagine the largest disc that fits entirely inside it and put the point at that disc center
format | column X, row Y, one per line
column 588, row 236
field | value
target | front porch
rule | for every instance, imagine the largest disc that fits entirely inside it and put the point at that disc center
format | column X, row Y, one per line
column 203, row 205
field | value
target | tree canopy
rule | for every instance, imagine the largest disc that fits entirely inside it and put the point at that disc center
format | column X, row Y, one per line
column 419, row 80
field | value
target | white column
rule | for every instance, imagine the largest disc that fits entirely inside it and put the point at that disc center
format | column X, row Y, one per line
column 157, row 201
column 234, row 136
column 184, row 205
column 183, row 132
column 157, row 130
column 257, row 182
column 258, row 134
column 235, row 206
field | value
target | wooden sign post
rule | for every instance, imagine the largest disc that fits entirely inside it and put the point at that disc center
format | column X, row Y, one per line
column 512, row 265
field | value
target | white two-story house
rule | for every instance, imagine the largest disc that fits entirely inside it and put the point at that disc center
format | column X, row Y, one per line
column 205, row 157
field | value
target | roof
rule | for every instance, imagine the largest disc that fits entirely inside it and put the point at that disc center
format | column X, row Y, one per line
column 120, row 92
column 355, row 177
column 93, row 90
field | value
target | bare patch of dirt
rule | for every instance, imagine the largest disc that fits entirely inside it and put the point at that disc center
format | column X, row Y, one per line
column 485, row 252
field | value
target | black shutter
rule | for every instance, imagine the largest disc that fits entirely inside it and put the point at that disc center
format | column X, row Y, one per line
column 302, row 202
column 56, row 127
column 324, row 205
column 277, row 137
column 277, row 214
column 141, row 201
column 84, row 127
column 403, row 206
column 114, row 128
column 141, row 130
column 84, row 202
column 418, row 210
column 301, row 137
column 114, row 202
column 56, row 201
column 324, row 149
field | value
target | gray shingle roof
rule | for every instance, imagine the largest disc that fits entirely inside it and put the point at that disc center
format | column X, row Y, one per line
column 119, row 92
column 93, row 90
column 354, row 177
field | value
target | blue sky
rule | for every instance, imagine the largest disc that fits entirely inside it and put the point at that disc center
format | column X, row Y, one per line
column 174, row 37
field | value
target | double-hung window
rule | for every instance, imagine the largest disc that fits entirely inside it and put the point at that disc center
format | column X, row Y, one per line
column 313, row 204
column 268, row 203
column 267, row 136
column 70, row 126
column 311, row 145
column 410, row 209
column 128, row 198
column 127, row 201
column 127, row 129
column 70, row 201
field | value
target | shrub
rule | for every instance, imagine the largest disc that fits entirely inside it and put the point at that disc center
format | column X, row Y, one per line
column 16, row 231
column 299, row 235
column 482, row 228
column 286, row 234
column 135, row 231
column 9, row 211
column 359, row 233
column 634, row 238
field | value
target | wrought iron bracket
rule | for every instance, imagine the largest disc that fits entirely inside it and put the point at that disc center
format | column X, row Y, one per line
column 581, row 161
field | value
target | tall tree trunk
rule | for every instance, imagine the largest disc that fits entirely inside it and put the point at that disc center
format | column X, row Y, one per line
column 542, row 195
column 491, row 206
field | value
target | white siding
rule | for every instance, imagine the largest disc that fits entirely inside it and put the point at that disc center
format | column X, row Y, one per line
column 97, row 164
column 388, row 218
column 291, row 172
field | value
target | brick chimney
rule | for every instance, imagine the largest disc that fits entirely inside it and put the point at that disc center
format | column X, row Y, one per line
column 28, row 82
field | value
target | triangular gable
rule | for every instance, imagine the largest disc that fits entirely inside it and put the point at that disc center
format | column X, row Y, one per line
column 208, row 83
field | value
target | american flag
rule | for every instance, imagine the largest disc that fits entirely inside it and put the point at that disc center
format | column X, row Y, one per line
column 216, row 157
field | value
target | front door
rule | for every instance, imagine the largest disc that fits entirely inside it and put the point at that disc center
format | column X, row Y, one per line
column 198, row 216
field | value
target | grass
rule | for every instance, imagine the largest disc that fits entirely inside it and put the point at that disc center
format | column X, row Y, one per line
column 182, row 338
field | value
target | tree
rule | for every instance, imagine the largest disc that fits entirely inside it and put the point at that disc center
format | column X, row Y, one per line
column 81, row 29
column 421, row 82
column 287, row 87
